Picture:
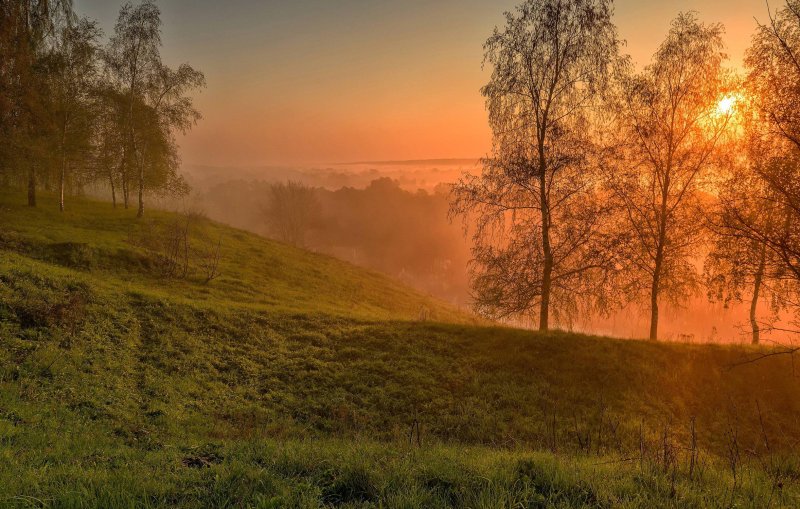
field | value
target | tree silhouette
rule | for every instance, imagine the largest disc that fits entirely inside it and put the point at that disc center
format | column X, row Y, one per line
column 671, row 125
column 538, row 218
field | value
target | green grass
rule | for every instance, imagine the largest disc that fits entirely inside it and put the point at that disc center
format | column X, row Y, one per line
column 310, row 474
column 255, row 273
column 295, row 380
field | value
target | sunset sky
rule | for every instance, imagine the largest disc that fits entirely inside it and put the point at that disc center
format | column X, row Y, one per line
column 324, row 81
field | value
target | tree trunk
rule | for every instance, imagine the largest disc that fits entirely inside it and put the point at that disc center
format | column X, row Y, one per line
column 544, row 311
column 759, row 278
column 32, row 186
column 123, row 175
column 125, row 190
column 63, row 176
column 658, row 266
column 62, row 179
column 547, row 269
column 140, row 212
column 61, row 186
column 654, row 303
column 113, row 190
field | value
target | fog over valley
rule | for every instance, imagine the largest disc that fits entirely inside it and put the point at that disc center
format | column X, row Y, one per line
column 392, row 216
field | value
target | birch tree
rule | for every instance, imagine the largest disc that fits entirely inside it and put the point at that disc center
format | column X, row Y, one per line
column 132, row 57
column 71, row 72
column 539, row 246
column 157, row 102
column 672, row 118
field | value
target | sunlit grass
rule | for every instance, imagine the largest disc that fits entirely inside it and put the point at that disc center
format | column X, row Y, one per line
column 335, row 473
column 295, row 380
column 255, row 272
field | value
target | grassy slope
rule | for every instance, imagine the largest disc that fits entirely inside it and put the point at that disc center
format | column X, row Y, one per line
column 256, row 273
column 104, row 363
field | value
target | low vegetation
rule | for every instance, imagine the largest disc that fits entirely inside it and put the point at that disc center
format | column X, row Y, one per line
column 270, row 474
column 293, row 379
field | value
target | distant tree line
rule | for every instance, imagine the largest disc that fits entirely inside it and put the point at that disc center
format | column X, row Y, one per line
column 384, row 227
column 606, row 184
column 74, row 111
column 402, row 233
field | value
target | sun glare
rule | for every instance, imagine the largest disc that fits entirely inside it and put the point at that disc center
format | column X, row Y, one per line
column 725, row 106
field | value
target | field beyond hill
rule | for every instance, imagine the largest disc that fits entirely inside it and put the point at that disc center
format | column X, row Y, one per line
column 292, row 379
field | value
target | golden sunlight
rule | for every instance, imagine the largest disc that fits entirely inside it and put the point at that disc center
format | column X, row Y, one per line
column 392, row 239
column 726, row 105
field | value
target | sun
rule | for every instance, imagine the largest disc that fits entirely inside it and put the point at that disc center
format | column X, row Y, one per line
column 726, row 105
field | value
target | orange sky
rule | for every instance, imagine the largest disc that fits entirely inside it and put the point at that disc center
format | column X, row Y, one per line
column 323, row 81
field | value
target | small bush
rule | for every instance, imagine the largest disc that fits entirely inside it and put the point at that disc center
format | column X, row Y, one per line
column 74, row 255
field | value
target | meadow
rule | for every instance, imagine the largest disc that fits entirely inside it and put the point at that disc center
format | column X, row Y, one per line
column 295, row 380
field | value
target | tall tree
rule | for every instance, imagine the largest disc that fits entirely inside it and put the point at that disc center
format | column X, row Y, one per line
column 132, row 57
column 157, row 101
column 71, row 73
column 538, row 217
column 671, row 121
column 764, row 212
column 27, row 29
column 741, row 266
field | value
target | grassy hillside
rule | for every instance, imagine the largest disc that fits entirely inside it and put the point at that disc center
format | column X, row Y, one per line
column 256, row 273
column 296, row 380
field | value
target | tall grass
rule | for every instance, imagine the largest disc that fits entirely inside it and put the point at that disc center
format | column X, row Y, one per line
column 365, row 474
